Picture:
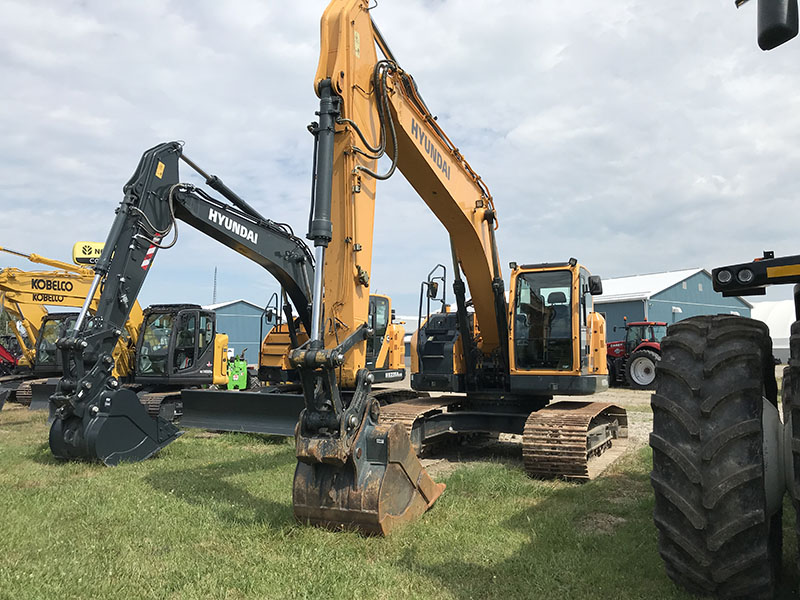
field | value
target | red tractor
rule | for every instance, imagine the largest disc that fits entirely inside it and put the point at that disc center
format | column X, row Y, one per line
column 633, row 360
column 9, row 354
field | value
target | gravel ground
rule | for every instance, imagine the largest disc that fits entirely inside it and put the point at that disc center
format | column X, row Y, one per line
column 443, row 459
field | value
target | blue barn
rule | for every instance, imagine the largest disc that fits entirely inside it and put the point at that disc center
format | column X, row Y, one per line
column 245, row 325
column 669, row 297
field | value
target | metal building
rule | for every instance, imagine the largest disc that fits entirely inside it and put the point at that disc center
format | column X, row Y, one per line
column 669, row 297
column 779, row 316
column 245, row 325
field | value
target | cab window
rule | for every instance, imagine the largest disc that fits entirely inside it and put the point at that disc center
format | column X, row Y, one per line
column 205, row 334
column 152, row 359
column 379, row 320
column 543, row 321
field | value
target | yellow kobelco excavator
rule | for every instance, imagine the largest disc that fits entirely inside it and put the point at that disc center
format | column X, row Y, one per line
column 24, row 295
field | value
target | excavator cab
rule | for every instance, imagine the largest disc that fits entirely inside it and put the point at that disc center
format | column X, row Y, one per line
column 384, row 351
column 557, row 341
column 178, row 345
column 48, row 359
column 384, row 354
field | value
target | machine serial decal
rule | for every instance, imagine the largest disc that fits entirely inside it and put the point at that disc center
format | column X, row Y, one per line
column 232, row 226
column 430, row 148
column 51, row 285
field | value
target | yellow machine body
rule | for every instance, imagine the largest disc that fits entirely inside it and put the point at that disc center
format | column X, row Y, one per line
column 27, row 294
column 220, row 368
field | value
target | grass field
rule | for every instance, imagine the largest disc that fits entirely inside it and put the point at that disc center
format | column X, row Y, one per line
column 211, row 517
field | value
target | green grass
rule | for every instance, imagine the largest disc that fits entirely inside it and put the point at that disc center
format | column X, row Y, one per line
column 211, row 517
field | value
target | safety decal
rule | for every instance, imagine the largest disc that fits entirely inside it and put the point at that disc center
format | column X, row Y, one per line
column 148, row 257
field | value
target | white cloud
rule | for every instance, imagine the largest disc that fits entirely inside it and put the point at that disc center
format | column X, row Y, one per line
column 636, row 136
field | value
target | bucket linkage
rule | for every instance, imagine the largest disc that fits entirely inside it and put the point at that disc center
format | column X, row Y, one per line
column 96, row 419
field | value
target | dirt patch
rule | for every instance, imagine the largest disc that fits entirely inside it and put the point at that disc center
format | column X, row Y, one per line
column 207, row 435
column 443, row 459
column 602, row 523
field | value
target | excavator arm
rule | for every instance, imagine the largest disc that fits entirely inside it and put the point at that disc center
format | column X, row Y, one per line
column 95, row 418
column 369, row 108
column 50, row 262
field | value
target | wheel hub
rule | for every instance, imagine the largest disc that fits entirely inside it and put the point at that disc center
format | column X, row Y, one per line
column 643, row 370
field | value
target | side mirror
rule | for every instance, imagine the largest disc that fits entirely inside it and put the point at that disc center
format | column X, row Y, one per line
column 777, row 22
column 595, row 285
column 433, row 289
column 394, row 316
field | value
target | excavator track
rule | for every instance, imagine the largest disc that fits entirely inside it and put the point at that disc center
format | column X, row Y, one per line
column 24, row 393
column 407, row 412
column 573, row 440
column 392, row 395
column 155, row 402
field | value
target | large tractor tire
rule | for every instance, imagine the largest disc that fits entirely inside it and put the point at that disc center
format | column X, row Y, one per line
column 640, row 370
column 717, row 504
column 791, row 418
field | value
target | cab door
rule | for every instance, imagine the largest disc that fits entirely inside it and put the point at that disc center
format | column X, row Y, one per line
column 184, row 352
column 193, row 349
column 379, row 321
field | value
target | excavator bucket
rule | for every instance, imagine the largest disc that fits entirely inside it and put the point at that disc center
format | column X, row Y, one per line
column 381, row 485
column 117, row 429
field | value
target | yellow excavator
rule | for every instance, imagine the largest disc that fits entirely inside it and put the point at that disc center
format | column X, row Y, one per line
column 385, row 352
column 24, row 295
column 502, row 360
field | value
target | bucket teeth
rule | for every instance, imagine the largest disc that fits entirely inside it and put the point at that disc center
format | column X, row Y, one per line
column 381, row 486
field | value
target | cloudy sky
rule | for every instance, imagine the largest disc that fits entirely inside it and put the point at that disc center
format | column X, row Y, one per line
column 637, row 136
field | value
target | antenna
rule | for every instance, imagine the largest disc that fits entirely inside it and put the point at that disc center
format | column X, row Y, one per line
column 214, row 291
